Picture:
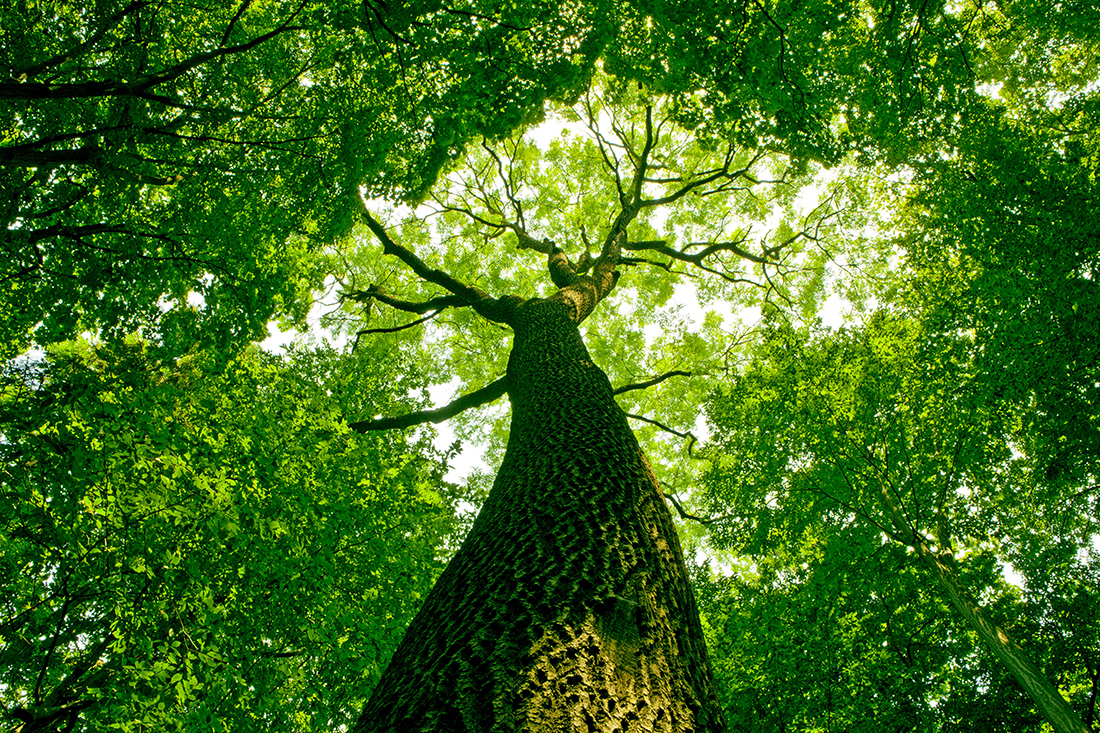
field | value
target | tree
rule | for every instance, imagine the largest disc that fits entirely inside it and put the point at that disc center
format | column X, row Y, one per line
column 1016, row 211
column 995, row 233
column 529, row 622
column 881, row 429
column 844, row 631
column 568, row 604
column 822, row 81
column 204, row 545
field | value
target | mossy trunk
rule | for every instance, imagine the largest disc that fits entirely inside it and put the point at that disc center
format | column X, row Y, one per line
column 568, row 607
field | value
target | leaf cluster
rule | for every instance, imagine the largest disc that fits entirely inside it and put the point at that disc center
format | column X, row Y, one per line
column 204, row 544
column 177, row 168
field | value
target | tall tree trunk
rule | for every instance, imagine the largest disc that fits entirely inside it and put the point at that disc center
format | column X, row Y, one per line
column 568, row 607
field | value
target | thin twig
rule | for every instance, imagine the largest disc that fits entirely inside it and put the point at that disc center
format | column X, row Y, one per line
column 692, row 439
column 693, row 517
column 394, row 329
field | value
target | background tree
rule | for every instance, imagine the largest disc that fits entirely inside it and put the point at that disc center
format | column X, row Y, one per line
column 997, row 244
column 837, row 631
column 880, row 429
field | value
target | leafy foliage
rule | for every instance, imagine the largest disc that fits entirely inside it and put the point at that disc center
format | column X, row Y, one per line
column 960, row 413
column 204, row 545
column 818, row 80
column 155, row 152
column 1007, row 248
column 855, row 450
column 836, row 632
column 692, row 209
column 176, row 168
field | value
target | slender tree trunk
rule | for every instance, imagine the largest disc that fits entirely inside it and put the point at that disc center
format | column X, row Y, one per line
column 1046, row 697
column 1050, row 702
column 568, row 607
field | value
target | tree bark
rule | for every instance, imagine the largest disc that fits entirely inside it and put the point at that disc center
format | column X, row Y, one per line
column 568, row 607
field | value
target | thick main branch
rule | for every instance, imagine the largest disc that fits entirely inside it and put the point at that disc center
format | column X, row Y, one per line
column 477, row 398
column 494, row 309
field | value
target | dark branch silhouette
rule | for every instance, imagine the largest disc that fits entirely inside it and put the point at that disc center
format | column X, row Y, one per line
column 692, row 440
column 106, row 25
column 485, row 395
column 709, row 248
column 684, row 514
column 35, row 90
column 376, row 293
column 494, row 309
column 651, row 382
column 393, row 329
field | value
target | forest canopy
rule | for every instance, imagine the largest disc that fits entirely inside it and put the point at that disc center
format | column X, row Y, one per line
column 850, row 254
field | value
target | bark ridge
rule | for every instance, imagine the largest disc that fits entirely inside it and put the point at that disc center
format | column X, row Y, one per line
column 568, row 607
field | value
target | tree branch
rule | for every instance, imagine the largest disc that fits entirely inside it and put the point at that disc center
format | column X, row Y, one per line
column 494, row 309
column 561, row 269
column 651, row 382
column 229, row 28
column 18, row 90
column 709, row 177
column 666, row 266
column 692, row 439
column 414, row 263
column 93, row 39
column 477, row 398
column 660, row 245
column 696, row 259
column 642, row 165
column 526, row 241
column 609, row 159
column 693, row 517
column 495, row 21
column 376, row 293
column 394, row 329
column 29, row 156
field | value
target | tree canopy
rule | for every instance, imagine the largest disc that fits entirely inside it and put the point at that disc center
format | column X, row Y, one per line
column 154, row 152
column 205, row 545
column 179, row 169
column 199, row 533
column 958, row 418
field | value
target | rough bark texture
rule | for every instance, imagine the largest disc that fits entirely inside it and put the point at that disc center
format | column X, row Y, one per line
column 567, row 608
